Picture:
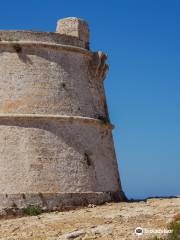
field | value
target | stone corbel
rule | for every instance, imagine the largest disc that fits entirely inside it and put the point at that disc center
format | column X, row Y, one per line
column 101, row 67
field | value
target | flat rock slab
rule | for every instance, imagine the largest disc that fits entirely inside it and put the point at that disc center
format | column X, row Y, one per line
column 110, row 221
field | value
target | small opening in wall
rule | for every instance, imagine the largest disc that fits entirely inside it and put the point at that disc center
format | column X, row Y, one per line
column 17, row 48
column 87, row 159
column 23, row 196
column 63, row 85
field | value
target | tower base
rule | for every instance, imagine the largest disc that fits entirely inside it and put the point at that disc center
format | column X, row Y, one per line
column 57, row 201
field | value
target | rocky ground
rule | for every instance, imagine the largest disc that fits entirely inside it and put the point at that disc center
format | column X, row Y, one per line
column 106, row 222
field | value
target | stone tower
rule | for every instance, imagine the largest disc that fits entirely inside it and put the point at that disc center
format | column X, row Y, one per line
column 56, row 146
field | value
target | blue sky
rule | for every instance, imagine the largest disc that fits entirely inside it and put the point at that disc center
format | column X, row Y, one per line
column 142, row 40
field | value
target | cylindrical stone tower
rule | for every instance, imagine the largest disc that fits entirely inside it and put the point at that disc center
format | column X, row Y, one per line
column 56, row 146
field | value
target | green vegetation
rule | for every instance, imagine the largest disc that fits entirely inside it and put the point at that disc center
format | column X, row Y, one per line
column 32, row 210
column 175, row 235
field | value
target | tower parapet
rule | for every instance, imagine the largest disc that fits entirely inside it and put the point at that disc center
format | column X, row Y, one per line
column 55, row 136
column 74, row 27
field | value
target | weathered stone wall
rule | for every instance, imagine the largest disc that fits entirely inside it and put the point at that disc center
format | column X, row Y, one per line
column 52, row 154
column 45, row 37
column 55, row 135
column 41, row 79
